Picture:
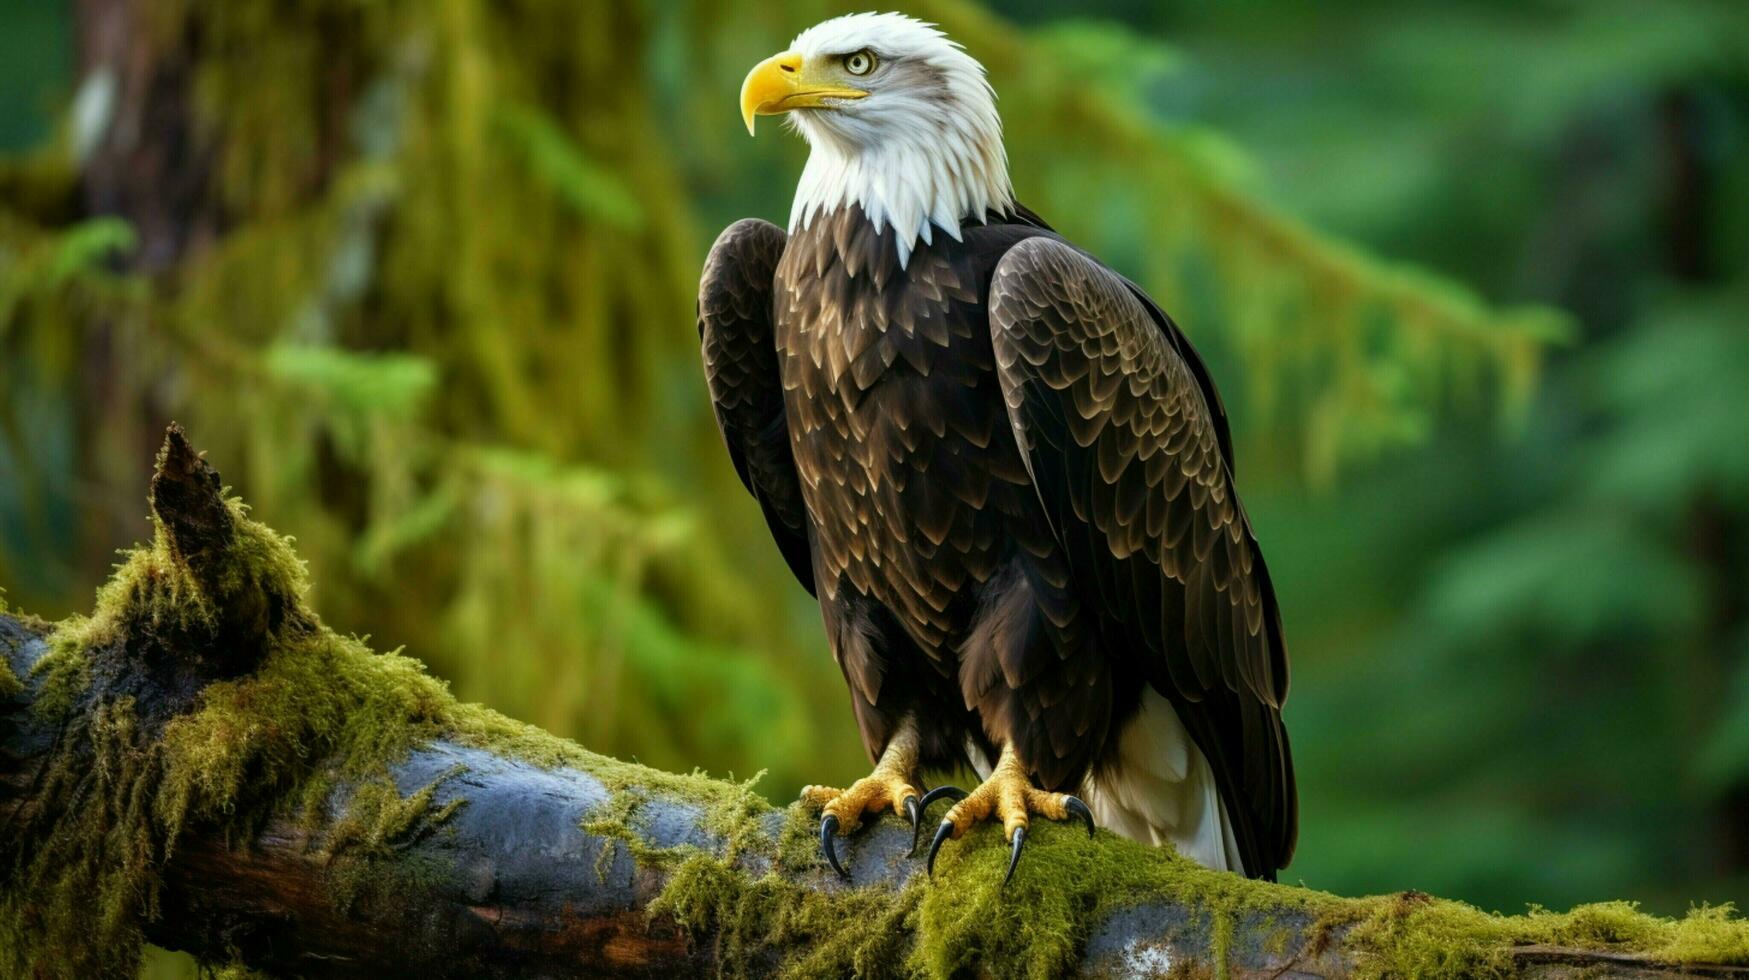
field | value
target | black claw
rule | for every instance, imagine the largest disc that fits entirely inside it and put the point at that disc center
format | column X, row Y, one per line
column 1077, row 808
column 914, row 811
column 943, row 793
column 938, row 793
column 941, row 833
column 1014, row 855
column 829, row 828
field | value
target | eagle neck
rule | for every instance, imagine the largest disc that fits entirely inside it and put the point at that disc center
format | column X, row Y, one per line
column 913, row 187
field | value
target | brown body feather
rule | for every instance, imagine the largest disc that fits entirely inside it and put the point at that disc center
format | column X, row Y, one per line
column 1002, row 590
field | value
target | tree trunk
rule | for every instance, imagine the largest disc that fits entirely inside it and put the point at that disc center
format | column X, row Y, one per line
column 502, row 852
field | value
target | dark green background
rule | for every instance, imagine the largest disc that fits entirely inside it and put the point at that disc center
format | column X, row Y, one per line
column 1518, row 626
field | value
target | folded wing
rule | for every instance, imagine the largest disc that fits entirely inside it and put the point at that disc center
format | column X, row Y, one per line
column 740, row 366
column 1128, row 458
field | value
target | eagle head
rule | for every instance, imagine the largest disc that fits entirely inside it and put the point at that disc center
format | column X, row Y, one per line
column 899, row 120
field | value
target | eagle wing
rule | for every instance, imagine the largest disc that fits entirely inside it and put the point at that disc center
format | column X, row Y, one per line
column 740, row 366
column 1129, row 460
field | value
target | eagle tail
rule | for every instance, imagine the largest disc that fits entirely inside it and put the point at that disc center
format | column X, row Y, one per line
column 1159, row 788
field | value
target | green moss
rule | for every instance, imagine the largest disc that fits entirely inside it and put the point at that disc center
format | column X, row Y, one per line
column 73, row 905
column 34, row 626
column 1414, row 935
column 114, row 785
column 319, row 712
column 377, row 816
column 1275, row 937
column 322, row 711
column 1037, row 925
column 798, row 841
column 964, row 922
column 153, row 594
column 1221, row 943
column 731, row 813
column 10, row 685
column 772, row 924
column 65, row 668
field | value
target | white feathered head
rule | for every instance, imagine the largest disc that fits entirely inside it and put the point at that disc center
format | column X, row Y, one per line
column 900, row 120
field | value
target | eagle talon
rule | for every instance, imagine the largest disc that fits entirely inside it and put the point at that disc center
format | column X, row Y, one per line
column 892, row 786
column 944, row 793
column 941, row 834
column 1014, row 855
column 828, row 830
column 1007, row 797
column 1077, row 809
column 938, row 793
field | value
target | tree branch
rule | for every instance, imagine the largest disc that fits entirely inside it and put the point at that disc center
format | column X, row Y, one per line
column 203, row 765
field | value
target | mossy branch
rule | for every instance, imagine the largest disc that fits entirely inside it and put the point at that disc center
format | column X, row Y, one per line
column 202, row 764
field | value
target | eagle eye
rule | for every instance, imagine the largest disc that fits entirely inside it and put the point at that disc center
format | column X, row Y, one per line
column 860, row 63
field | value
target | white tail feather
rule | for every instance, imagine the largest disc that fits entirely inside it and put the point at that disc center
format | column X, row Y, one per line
column 1160, row 788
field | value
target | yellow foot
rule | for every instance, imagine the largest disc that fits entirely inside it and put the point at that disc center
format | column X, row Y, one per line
column 1009, row 796
column 891, row 785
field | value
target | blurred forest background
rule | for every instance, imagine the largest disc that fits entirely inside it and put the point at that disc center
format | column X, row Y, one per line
column 1474, row 279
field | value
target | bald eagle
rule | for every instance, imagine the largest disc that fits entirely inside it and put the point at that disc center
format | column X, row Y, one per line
column 1001, row 469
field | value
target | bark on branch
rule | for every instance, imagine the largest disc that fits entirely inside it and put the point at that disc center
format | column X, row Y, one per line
column 492, row 856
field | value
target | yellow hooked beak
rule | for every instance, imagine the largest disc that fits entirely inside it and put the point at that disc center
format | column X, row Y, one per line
column 781, row 83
